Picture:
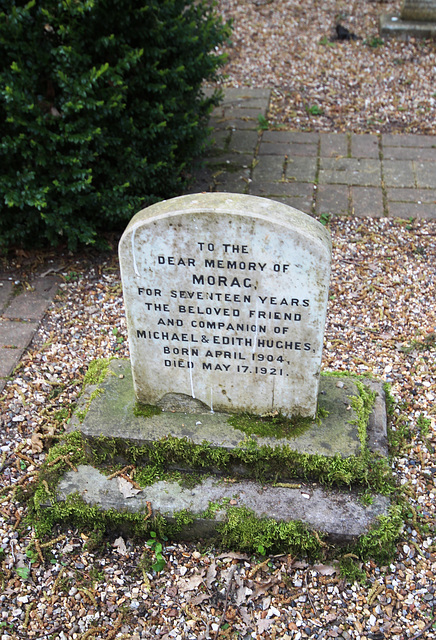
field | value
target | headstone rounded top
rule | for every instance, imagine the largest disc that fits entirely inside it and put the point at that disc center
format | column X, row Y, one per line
column 234, row 204
column 226, row 298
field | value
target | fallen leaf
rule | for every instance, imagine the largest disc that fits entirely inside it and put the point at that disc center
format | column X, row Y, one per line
column 325, row 569
column 234, row 556
column 192, row 583
column 211, row 574
column 120, row 546
column 263, row 625
column 126, row 488
column 36, row 442
column 200, row 598
column 262, row 587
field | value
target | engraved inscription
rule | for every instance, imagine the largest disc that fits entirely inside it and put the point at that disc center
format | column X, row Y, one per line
column 226, row 306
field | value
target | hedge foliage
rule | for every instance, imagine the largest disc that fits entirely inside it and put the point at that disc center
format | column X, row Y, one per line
column 101, row 111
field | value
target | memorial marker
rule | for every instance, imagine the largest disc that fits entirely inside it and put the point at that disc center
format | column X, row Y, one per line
column 420, row 10
column 226, row 300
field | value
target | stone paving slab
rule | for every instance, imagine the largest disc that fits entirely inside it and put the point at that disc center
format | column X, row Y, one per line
column 31, row 305
column 14, row 334
column 269, row 169
column 5, row 293
column 333, row 199
column 407, row 140
column 367, row 201
column 352, row 171
column 20, row 316
column 399, row 173
column 282, row 188
column 420, row 196
column 301, row 169
column 422, row 154
column 355, row 174
column 285, row 137
column 243, row 141
column 425, row 175
column 409, row 210
column 9, row 358
column 364, row 145
column 334, row 145
column 289, row 149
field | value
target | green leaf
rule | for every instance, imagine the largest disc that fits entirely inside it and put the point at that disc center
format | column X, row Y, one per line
column 23, row 572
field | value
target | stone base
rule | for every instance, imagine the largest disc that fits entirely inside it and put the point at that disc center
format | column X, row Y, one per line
column 339, row 514
column 113, row 414
column 394, row 26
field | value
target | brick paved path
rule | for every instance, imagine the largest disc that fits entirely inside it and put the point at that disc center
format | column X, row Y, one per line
column 328, row 173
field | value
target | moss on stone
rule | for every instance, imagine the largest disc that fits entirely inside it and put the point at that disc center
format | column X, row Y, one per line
column 241, row 528
column 97, row 371
column 146, row 410
column 277, row 425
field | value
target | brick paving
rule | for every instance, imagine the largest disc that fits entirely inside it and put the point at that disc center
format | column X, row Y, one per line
column 326, row 174
column 322, row 174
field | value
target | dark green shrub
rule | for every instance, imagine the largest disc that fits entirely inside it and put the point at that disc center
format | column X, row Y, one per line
column 101, row 111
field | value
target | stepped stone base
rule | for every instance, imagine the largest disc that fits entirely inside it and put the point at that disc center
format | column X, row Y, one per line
column 395, row 26
column 340, row 514
column 112, row 414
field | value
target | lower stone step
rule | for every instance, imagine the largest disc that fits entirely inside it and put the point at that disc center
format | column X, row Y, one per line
column 340, row 515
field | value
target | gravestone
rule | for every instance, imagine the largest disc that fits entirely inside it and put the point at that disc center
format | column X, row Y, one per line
column 226, row 299
column 417, row 19
column 420, row 10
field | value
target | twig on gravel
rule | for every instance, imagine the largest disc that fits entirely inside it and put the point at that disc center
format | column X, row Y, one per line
column 48, row 633
column 3, row 460
column 29, row 608
column 58, row 579
column 426, row 628
column 117, row 626
column 50, row 543
column 92, row 632
column 229, row 585
column 309, row 595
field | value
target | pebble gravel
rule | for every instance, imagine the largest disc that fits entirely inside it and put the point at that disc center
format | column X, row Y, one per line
column 381, row 321
column 367, row 84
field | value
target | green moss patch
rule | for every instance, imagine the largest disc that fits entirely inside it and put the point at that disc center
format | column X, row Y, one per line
column 275, row 426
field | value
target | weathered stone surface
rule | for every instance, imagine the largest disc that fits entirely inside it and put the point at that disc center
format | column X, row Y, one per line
column 393, row 26
column 420, row 10
column 31, row 305
column 342, row 516
column 226, row 299
column 111, row 414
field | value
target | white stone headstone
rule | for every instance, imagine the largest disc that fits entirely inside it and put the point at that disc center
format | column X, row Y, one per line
column 226, row 299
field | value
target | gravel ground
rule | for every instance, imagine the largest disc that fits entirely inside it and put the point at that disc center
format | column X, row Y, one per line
column 370, row 84
column 381, row 320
